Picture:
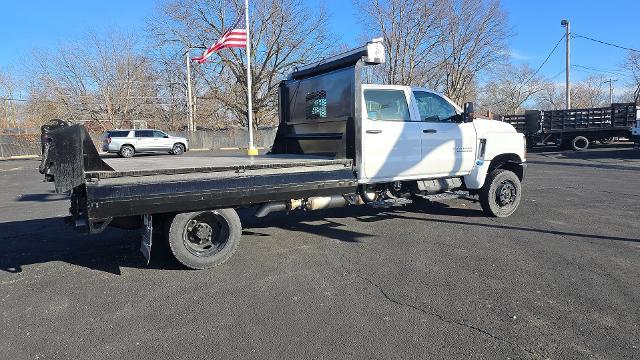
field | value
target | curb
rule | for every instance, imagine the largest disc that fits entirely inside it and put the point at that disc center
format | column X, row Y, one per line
column 236, row 148
column 20, row 157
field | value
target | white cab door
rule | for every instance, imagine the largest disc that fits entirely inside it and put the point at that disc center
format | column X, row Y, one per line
column 390, row 139
column 448, row 145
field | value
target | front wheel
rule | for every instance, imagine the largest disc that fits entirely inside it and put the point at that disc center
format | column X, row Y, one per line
column 204, row 239
column 178, row 149
column 501, row 193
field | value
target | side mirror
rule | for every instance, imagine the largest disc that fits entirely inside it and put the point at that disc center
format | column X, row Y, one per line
column 469, row 112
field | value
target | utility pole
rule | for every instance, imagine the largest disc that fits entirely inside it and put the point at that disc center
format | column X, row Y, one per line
column 610, row 81
column 567, row 36
column 190, row 125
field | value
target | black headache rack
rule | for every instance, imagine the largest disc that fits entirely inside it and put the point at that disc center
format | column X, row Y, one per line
column 320, row 106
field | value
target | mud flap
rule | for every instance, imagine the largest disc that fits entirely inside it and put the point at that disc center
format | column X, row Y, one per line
column 147, row 237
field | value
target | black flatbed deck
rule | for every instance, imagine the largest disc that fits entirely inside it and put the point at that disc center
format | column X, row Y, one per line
column 164, row 165
column 151, row 185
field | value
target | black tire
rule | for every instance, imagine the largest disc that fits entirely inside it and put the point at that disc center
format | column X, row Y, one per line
column 178, row 149
column 204, row 239
column 580, row 143
column 126, row 151
column 501, row 193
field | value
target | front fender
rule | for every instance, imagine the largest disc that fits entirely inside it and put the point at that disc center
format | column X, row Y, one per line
column 501, row 149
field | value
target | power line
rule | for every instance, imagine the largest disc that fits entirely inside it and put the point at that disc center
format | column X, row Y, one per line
column 558, row 74
column 544, row 62
column 599, row 70
column 605, row 43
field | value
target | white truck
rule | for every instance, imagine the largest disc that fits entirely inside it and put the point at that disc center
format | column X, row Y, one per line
column 339, row 143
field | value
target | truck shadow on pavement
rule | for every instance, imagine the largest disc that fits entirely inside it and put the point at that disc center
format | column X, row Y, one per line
column 45, row 197
column 30, row 242
column 49, row 240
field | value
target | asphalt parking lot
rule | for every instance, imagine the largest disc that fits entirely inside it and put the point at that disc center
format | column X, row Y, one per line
column 559, row 279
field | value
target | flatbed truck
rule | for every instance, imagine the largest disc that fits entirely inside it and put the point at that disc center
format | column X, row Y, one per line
column 339, row 143
column 576, row 128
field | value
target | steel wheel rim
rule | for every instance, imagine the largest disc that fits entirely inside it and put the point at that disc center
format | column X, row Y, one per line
column 127, row 152
column 206, row 234
column 506, row 194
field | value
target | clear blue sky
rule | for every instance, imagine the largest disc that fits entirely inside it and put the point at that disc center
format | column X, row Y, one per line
column 26, row 25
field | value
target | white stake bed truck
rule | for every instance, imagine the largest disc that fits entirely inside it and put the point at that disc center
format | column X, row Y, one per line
column 339, row 143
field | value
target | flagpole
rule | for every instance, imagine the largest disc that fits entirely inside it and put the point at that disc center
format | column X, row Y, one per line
column 251, row 150
column 190, row 124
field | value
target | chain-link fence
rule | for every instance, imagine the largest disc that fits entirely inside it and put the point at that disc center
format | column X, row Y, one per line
column 15, row 145
column 232, row 138
column 19, row 145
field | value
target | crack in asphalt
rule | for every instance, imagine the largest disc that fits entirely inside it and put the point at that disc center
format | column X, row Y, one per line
column 442, row 318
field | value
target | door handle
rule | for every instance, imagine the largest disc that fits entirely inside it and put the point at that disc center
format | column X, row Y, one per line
column 429, row 131
column 374, row 131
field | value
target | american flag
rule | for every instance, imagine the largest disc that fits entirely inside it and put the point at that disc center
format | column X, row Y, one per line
column 235, row 37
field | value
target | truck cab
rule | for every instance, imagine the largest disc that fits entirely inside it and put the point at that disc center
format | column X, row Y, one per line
column 411, row 133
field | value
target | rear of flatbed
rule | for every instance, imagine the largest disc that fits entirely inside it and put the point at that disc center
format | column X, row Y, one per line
column 104, row 190
column 191, row 199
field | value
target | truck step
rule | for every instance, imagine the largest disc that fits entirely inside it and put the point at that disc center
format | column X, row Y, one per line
column 387, row 203
column 459, row 194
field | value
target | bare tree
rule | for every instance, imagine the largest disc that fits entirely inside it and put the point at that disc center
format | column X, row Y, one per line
column 443, row 44
column 8, row 107
column 632, row 64
column 587, row 93
column 104, row 81
column 475, row 36
column 551, row 97
column 284, row 34
column 412, row 34
column 590, row 92
column 510, row 87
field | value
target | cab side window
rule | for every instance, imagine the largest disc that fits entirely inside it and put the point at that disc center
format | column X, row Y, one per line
column 158, row 134
column 386, row 105
column 144, row 133
column 433, row 108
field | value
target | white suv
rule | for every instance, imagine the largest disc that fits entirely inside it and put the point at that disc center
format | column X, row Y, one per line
column 128, row 142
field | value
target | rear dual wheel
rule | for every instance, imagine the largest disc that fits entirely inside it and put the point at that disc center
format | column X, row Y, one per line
column 204, row 239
